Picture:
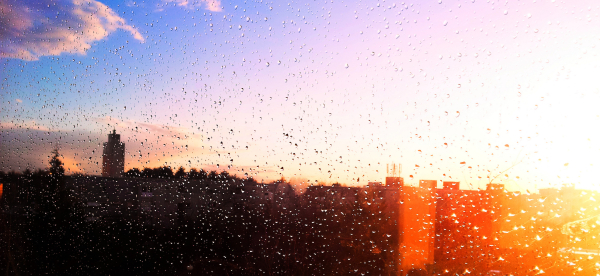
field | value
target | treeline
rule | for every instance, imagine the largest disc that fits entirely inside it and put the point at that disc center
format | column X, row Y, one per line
column 45, row 232
column 166, row 172
column 163, row 172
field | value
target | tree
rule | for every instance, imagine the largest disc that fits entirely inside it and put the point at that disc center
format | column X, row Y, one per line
column 180, row 173
column 56, row 165
column 52, row 200
column 212, row 175
column 195, row 174
column 164, row 172
column 50, row 233
column 134, row 172
column 225, row 175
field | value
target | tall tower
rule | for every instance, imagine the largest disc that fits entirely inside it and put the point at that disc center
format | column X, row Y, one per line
column 113, row 156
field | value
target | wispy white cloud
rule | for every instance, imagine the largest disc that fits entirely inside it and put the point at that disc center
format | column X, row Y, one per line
column 211, row 5
column 29, row 30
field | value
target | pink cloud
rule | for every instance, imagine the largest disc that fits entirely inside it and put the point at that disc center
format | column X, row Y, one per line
column 154, row 129
column 28, row 33
column 23, row 125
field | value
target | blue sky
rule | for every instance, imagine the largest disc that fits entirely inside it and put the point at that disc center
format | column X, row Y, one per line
column 326, row 90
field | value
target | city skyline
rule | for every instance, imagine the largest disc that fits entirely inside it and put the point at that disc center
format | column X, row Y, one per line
column 323, row 91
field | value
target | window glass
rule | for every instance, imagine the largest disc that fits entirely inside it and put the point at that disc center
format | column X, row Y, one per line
column 175, row 137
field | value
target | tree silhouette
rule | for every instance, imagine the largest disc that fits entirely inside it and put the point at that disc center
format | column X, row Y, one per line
column 195, row 174
column 56, row 165
column 47, row 226
column 134, row 172
column 180, row 173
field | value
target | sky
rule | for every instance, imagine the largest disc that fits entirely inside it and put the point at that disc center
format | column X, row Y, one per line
column 319, row 91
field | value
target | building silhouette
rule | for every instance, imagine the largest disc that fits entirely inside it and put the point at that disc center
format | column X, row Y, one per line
column 113, row 156
column 393, row 178
column 451, row 185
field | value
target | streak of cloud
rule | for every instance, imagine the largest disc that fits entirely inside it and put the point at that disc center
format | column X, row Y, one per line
column 22, row 125
column 211, row 5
